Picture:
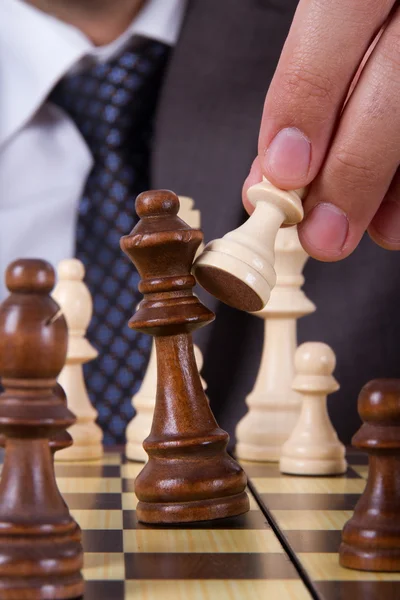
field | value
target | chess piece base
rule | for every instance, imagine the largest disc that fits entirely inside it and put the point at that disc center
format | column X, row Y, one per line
column 87, row 443
column 80, row 453
column 258, row 453
column 43, row 589
column 293, row 466
column 186, row 512
column 137, row 430
column 369, row 559
column 266, row 427
column 243, row 283
column 135, row 452
column 48, row 568
column 226, row 287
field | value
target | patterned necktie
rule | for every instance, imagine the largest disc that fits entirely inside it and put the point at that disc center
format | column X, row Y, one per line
column 113, row 106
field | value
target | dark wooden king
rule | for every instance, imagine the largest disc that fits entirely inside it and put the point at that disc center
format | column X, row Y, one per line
column 40, row 551
column 189, row 475
column 371, row 538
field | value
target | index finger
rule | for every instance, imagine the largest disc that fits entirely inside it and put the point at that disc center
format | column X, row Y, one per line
column 323, row 50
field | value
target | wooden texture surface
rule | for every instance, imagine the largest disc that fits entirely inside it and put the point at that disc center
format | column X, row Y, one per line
column 189, row 475
column 238, row 558
column 40, row 551
column 308, row 514
column 371, row 538
column 145, row 399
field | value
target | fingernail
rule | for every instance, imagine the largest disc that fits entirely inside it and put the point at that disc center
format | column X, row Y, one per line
column 387, row 221
column 325, row 228
column 288, row 156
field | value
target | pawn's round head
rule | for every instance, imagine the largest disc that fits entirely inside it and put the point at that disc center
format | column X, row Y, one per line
column 30, row 276
column 156, row 203
column 71, row 269
column 314, row 364
column 379, row 401
column 315, row 358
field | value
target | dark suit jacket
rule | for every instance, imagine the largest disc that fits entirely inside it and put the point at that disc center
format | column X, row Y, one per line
column 206, row 138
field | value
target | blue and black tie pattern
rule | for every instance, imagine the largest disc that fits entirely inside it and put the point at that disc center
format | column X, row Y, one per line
column 113, row 105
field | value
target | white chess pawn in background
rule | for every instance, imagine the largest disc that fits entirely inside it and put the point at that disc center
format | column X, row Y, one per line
column 274, row 406
column 144, row 400
column 74, row 298
column 313, row 447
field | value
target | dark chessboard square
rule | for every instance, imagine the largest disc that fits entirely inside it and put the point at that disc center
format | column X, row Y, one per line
column 314, row 540
column 130, row 520
column 358, row 590
column 309, row 501
column 352, row 474
column 128, row 485
column 102, row 540
column 104, row 590
column 95, row 470
column 208, row 566
column 93, row 501
column 254, row 519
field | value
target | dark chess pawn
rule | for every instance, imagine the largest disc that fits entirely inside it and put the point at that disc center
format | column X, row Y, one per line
column 371, row 538
column 189, row 475
column 40, row 550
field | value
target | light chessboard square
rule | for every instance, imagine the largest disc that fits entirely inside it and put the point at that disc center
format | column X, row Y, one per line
column 309, row 514
column 201, row 541
column 216, row 590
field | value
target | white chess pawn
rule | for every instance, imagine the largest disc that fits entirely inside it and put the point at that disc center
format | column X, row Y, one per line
column 274, row 406
column 76, row 303
column 144, row 400
column 238, row 269
column 313, row 447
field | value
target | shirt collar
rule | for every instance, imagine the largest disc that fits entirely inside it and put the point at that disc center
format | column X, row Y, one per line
column 37, row 50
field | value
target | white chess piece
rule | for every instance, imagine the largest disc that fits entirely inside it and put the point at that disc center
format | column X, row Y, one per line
column 75, row 301
column 239, row 268
column 313, row 447
column 274, row 406
column 144, row 400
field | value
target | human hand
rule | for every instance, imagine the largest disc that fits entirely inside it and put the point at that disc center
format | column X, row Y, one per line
column 332, row 117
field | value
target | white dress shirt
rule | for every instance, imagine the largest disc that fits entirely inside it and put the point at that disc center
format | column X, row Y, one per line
column 44, row 161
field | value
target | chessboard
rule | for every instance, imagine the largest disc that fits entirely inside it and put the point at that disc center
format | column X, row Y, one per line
column 239, row 558
column 307, row 514
column 285, row 548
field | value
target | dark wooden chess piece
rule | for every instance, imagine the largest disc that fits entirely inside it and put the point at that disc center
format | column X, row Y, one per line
column 189, row 475
column 40, row 551
column 62, row 439
column 371, row 538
